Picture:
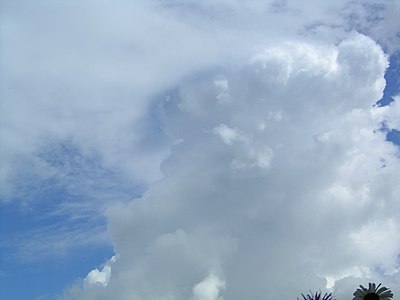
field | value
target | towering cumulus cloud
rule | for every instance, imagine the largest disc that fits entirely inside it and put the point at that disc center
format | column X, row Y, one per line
column 223, row 149
column 280, row 180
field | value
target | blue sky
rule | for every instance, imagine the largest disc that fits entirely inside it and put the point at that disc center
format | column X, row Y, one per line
column 48, row 273
column 171, row 148
column 392, row 88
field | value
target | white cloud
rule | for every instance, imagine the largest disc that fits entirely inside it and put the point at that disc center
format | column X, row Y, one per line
column 254, row 155
column 208, row 289
column 90, row 83
column 378, row 244
column 227, row 135
column 98, row 277
column 281, row 178
column 277, row 211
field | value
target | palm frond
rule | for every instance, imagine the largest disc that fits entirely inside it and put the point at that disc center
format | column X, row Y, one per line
column 317, row 296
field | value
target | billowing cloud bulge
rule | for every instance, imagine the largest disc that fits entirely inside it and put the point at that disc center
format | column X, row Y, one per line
column 277, row 176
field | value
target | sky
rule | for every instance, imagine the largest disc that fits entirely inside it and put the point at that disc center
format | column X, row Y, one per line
column 198, row 150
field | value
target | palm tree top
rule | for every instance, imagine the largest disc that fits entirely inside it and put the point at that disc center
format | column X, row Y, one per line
column 373, row 292
column 317, row 296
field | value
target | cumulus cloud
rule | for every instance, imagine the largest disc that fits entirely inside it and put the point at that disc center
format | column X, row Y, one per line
column 270, row 172
column 77, row 91
column 227, row 135
column 98, row 277
column 322, row 213
column 208, row 289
